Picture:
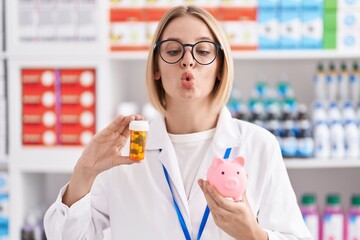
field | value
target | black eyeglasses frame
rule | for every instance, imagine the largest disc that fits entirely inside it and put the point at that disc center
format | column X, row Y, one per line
column 158, row 44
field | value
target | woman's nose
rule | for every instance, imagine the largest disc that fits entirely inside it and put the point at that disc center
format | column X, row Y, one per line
column 187, row 60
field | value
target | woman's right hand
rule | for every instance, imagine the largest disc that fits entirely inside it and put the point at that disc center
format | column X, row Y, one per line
column 102, row 153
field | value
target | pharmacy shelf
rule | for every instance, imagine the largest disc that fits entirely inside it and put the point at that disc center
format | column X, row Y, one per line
column 311, row 163
column 63, row 161
column 261, row 55
column 47, row 160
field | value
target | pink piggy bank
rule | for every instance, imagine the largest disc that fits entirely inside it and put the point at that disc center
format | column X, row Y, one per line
column 228, row 177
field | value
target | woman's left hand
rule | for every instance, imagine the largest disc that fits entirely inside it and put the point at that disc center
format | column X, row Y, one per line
column 234, row 218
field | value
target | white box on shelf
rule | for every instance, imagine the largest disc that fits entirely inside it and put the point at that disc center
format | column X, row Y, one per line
column 348, row 39
column 290, row 25
column 240, row 3
column 268, row 3
column 346, row 4
column 241, row 33
column 127, row 3
column 27, row 19
column 65, row 22
column 46, row 28
column 86, row 23
column 268, row 28
column 348, row 19
column 312, row 28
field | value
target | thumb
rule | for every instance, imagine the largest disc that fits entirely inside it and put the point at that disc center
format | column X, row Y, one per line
column 123, row 160
column 245, row 199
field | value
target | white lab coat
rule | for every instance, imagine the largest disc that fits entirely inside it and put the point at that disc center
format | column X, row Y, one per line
column 135, row 200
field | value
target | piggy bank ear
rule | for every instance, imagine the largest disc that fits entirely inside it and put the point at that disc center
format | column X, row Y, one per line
column 217, row 162
column 240, row 160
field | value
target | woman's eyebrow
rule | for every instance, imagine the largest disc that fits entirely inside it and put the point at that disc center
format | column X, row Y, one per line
column 197, row 39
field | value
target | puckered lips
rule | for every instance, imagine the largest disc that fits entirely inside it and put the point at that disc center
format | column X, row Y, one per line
column 187, row 80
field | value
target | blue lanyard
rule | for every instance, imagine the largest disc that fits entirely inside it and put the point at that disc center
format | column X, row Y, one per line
column 178, row 212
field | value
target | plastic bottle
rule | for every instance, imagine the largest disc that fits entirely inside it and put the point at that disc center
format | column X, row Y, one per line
column 257, row 112
column 283, row 88
column 333, row 219
column 273, row 126
column 305, row 141
column 353, row 219
column 321, row 131
column 320, row 83
column 343, row 83
column 331, row 83
column 354, row 82
column 337, row 140
column 138, row 129
column 334, row 113
column 288, row 138
column 319, row 113
column 352, row 139
column 321, row 140
column 310, row 214
column 348, row 112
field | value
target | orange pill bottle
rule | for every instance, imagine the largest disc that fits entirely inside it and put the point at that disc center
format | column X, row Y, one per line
column 138, row 130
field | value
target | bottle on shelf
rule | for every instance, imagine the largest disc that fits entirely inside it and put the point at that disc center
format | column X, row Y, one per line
column 305, row 141
column 351, row 139
column 310, row 214
column 353, row 219
column 343, row 83
column 337, row 140
column 288, row 138
column 321, row 131
column 320, row 84
column 333, row 218
column 348, row 112
column 354, row 82
column 331, row 83
column 334, row 112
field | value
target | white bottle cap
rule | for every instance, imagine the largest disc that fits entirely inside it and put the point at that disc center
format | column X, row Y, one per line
column 139, row 125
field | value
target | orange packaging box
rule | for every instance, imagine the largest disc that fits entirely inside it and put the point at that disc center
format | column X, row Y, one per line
column 127, row 29
column 39, row 107
column 78, row 105
column 237, row 14
column 126, row 14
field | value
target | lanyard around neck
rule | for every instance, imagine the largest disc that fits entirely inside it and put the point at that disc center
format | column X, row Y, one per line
column 177, row 209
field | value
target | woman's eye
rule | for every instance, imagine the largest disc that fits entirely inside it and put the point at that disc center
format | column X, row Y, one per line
column 202, row 52
column 173, row 52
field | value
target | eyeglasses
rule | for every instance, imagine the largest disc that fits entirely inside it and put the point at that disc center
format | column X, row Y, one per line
column 172, row 51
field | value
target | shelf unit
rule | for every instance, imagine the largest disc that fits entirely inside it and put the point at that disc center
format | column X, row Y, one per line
column 300, row 54
column 313, row 163
column 37, row 173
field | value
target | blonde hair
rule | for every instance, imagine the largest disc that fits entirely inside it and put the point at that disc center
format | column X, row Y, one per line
column 222, row 88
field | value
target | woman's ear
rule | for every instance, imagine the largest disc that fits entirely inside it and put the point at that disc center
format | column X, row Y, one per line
column 157, row 75
column 219, row 76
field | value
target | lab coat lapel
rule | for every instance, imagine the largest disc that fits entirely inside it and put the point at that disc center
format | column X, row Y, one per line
column 227, row 135
column 158, row 139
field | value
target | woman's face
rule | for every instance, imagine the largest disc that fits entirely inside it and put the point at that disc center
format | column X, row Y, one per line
column 187, row 79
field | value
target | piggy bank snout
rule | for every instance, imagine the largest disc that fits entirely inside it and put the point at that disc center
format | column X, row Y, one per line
column 232, row 183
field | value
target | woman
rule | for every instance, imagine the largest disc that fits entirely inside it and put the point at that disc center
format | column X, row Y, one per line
column 189, row 77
